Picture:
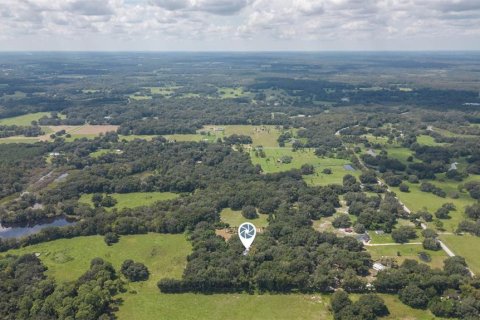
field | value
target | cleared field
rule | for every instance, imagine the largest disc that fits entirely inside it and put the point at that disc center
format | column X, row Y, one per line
column 134, row 199
column 164, row 91
column 400, row 252
column 165, row 256
column 228, row 92
column 399, row 311
column 76, row 132
column 17, row 139
column 273, row 163
column 190, row 137
column 428, row 141
column 265, row 136
column 67, row 259
column 24, row 120
column 235, row 218
column 134, row 136
column 467, row 246
column 139, row 97
column 417, row 200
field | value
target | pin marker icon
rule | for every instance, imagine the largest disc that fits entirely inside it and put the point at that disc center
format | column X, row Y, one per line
column 247, row 233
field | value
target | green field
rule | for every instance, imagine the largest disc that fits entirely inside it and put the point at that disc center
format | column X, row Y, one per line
column 139, row 97
column 101, row 152
column 407, row 251
column 265, row 136
column 271, row 163
column 228, row 93
column 18, row 140
column 428, row 141
column 235, row 218
column 24, row 120
column 417, row 200
column 191, row 137
column 466, row 246
column 164, row 91
column 134, row 199
column 400, row 311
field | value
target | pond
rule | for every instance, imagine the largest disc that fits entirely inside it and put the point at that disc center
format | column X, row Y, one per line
column 22, row 231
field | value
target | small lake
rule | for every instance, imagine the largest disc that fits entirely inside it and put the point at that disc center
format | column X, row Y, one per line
column 348, row 167
column 22, row 231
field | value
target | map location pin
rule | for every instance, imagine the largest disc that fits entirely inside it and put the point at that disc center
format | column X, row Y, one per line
column 247, row 233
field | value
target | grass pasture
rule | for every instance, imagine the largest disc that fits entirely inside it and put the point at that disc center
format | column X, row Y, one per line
column 134, row 199
column 467, row 246
column 417, row 200
column 406, row 251
column 235, row 218
column 24, row 120
column 230, row 93
column 271, row 164
column 265, row 136
column 166, row 91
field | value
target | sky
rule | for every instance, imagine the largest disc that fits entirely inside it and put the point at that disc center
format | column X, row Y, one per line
column 239, row 25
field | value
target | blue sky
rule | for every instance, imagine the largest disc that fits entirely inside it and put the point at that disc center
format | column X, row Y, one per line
column 239, row 25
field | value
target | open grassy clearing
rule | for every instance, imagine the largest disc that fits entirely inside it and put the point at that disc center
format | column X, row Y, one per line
column 136, row 136
column 15, row 96
column 428, row 141
column 17, row 139
column 467, row 246
column 234, row 218
column 164, row 91
column 229, row 93
column 417, row 200
column 191, row 137
column 272, row 163
column 76, row 132
column 24, row 120
column 165, row 256
column 265, row 136
column 336, row 177
column 400, row 252
column 132, row 200
column 102, row 152
column 400, row 311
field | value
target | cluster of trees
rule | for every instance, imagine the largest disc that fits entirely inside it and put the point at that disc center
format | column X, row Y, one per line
column 374, row 212
column 26, row 292
column 449, row 293
column 134, row 271
column 17, row 162
column 368, row 307
column 28, row 131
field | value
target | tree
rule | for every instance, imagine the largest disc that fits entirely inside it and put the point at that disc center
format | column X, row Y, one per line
column 307, row 169
column 108, row 201
column 342, row 221
column 327, row 171
column 339, row 301
column 368, row 177
column 414, row 297
column 249, row 212
column 473, row 211
column 431, row 244
column 359, row 228
column 134, row 271
column 111, row 238
column 403, row 234
column 404, row 187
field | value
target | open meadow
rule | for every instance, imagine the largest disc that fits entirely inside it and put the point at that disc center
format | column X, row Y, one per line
column 134, row 199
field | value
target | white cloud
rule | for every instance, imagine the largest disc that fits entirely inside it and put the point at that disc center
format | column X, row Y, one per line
column 250, row 24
